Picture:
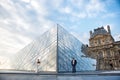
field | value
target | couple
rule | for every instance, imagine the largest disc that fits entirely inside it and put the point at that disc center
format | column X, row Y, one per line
column 73, row 63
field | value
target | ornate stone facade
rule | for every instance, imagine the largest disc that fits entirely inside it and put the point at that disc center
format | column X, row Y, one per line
column 104, row 49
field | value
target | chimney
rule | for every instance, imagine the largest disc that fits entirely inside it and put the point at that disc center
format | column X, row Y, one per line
column 108, row 27
column 90, row 33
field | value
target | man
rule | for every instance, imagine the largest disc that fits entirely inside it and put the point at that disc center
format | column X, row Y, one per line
column 73, row 63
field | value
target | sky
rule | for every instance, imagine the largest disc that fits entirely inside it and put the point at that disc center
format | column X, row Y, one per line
column 22, row 21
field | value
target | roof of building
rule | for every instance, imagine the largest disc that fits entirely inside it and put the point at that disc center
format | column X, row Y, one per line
column 98, row 31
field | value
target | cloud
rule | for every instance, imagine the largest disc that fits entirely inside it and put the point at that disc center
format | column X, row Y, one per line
column 77, row 10
column 11, row 43
column 117, row 37
column 26, row 19
column 27, row 1
column 77, row 3
column 66, row 10
column 39, row 7
column 94, row 7
column 82, row 9
column 55, row 4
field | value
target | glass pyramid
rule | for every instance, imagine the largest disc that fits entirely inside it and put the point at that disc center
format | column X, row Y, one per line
column 55, row 50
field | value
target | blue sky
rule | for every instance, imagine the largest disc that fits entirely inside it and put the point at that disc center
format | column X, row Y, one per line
column 21, row 21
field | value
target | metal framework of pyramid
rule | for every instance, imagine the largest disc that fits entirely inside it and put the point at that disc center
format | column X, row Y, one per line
column 55, row 50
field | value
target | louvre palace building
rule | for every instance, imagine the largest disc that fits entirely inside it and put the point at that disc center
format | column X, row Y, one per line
column 104, row 49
